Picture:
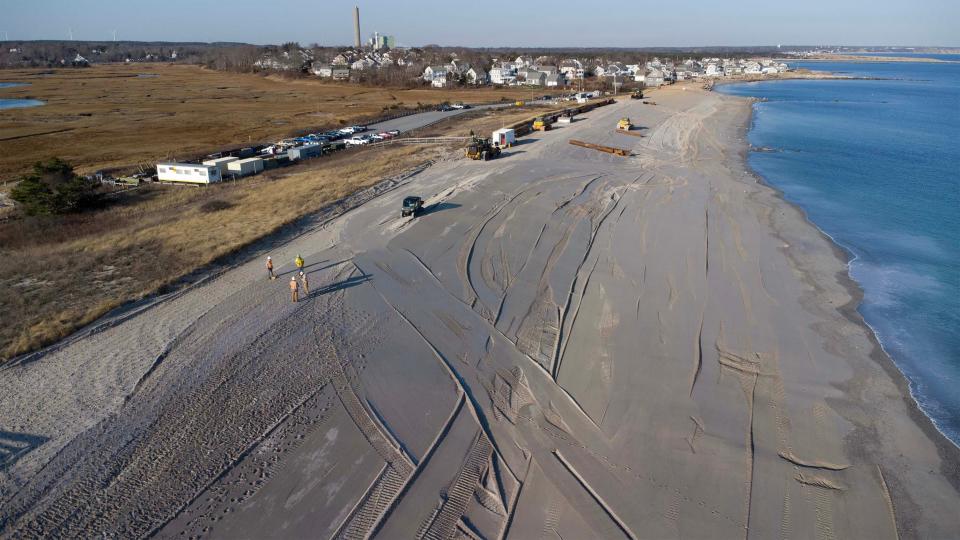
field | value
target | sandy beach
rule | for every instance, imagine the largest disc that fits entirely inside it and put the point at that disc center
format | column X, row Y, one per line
column 566, row 344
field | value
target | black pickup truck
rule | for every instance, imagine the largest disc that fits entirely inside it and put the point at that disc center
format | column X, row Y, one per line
column 411, row 206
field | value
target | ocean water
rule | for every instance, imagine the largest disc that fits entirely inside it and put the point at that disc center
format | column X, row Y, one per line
column 875, row 164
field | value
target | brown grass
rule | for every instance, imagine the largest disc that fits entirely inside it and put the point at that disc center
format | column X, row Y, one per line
column 57, row 275
column 107, row 117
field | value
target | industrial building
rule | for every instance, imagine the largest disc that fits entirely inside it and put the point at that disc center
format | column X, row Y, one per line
column 190, row 173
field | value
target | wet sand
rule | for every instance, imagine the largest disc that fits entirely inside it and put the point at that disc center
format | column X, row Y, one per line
column 566, row 344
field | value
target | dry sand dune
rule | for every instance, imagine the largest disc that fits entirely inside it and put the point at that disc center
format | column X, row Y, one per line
column 566, row 344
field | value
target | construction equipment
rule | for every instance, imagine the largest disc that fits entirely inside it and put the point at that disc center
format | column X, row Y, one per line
column 482, row 149
column 411, row 205
column 541, row 123
column 608, row 149
column 519, row 103
column 566, row 118
column 637, row 94
column 624, row 124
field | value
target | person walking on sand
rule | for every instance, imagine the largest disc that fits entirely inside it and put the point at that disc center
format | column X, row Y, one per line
column 293, row 289
column 299, row 262
column 305, row 284
column 270, row 273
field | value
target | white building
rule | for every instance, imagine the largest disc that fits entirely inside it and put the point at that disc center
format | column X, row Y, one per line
column 476, row 76
column 244, row 167
column 503, row 75
column 323, row 70
column 221, row 163
column 190, row 173
column 432, row 72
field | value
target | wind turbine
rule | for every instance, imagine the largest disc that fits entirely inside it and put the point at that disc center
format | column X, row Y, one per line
column 70, row 33
column 114, row 35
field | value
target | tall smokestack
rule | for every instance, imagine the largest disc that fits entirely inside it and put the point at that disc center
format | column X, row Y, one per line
column 356, row 26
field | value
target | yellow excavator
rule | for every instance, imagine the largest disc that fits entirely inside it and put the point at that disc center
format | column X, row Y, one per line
column 624, row 124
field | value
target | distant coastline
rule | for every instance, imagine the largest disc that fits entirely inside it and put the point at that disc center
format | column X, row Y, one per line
column 867, row 58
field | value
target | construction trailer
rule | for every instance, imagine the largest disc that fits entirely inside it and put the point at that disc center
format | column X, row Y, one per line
column 221, row 163
column 245, row 167
column 304, row 152
column 190, row 173
column 505, row 138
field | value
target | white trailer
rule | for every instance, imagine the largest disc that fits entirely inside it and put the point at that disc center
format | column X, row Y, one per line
column 221, row 163
column 244, row 167
column 190, row 173
column 504, row 138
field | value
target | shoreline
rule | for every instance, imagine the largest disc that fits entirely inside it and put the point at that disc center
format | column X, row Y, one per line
column 846, row 256
column 948, row 451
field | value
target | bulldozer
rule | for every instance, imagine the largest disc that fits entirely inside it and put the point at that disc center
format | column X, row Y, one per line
column 482, row 149
column 624, row 124
column 542, row 124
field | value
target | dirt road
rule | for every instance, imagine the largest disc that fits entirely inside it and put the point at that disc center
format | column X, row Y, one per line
column 565, row 344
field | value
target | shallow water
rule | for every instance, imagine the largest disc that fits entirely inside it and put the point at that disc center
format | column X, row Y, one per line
column 874, row 163
column 17, row 103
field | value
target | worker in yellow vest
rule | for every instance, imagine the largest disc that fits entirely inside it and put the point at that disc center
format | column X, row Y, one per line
column 299, row 262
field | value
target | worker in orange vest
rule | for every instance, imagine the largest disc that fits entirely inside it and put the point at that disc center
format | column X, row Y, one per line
column 270, row 269
column 294, row 289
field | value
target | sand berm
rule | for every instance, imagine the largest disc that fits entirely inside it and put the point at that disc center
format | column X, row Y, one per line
column 565, row 344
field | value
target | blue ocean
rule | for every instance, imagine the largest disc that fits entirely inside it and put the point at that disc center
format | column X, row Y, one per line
column 875, row 164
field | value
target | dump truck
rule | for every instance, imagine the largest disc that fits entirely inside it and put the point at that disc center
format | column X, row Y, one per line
column 541, row 123
column 482, row 149
column 624, row 124
column 411, row 206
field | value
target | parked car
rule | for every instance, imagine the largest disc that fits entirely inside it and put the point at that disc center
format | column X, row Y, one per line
column 394, row 132
column 356, row 141
column 460, row 106
column 444, row 108
column 358, row 129
column 385, row 135
column 411, row 206
column 347, row 130
column 374, row 138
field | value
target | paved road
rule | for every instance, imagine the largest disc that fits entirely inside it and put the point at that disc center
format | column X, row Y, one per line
column 566, row 344
column 419, row 120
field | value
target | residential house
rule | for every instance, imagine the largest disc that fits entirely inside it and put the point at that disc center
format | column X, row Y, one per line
column 340, row 60
column 340, row 73
column 654, row 78
column 442, row 80
column 535, row 78
column 522, row 61
column 432, row 72
column 549, row 70
column 572, row 68
column 476, row 75
column 555, row 80
column 323, row 70
column 504, row 74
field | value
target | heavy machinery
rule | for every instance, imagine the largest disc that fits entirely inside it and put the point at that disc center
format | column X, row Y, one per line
column 637, row 94
column 411, row 206
column 624, row 124
column 482, row 149
column 541, row 124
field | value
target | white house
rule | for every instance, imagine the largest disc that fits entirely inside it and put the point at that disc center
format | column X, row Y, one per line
column 572, row 68
column 503, row 74
column 340, row 73
column 713, row 70
column 432, row 72
column 323, row 70
column 440, row 80
column 476, row 76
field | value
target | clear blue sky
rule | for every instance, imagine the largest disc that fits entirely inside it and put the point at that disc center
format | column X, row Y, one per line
column 533, row 23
